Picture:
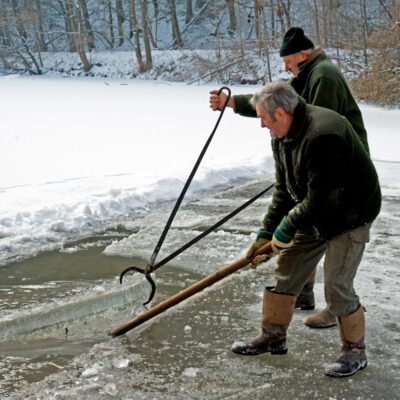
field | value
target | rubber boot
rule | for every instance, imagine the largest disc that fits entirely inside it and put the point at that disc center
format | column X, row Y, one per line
column 276, row 315
column 322, row 319
column 306, row 301
column 352, row 356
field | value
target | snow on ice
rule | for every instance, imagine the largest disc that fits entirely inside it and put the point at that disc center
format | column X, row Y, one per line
column 79, row 154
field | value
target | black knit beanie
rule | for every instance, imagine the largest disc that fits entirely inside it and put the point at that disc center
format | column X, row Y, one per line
column 294, row 41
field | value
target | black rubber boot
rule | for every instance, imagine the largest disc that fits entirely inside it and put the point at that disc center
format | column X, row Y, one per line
column 352, row 357
column 277, row 313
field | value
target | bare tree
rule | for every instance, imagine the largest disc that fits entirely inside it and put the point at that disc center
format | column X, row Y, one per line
column 257, row 7
column 156, row 13
column 78, row 28
column 88, row 26
column 41, row 34
column 232, row 16
column 21, row 39
column 175, row 26
column 145, row 32
column 240, row 30
column 363, row 15
column 316, row 21
column 200, row 3
column 120, row 21
column 110, row 23
column 135, row 31
column 189, row 11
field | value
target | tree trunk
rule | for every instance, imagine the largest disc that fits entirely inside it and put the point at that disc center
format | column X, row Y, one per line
column 174, row 22
column 78, row 28
column 279, row 13
column 42, row 42
column 68, row 27
column 272, row 10
column 110, row 23
column 363, row 14
column 120, row 21
column 135, row 31
column 156, row 12
column 145, row 32
column 240, row 30
column 232, row 16
column 267, row 44
column 81, row 41
column 16, row 8
column 189, row 11
column 316, row 21
column 88, row 26
column 217, row 31
column 325, row 24
column 286, row 4
column 4, row 27
column 257, row 20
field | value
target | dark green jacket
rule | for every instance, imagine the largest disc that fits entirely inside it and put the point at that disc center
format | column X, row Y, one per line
column 325, row 180
column 320, row 83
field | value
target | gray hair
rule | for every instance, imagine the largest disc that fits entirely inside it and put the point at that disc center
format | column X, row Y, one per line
column 274, row 95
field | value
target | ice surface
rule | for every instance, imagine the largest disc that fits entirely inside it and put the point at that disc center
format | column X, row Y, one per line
column 87, row 154
column 79, row 171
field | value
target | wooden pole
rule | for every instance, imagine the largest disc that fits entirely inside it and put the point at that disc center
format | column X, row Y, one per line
column 188, row 292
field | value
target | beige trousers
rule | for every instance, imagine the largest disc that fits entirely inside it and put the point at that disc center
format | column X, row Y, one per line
column 343, row 255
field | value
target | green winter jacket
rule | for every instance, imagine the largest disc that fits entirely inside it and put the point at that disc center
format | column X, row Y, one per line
column 326, row 182
column 320, row 83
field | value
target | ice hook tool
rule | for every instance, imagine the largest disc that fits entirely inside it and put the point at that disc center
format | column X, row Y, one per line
column 150, row 265
column 188, row 292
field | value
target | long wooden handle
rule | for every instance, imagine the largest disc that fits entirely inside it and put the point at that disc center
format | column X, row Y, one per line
column 188, row 292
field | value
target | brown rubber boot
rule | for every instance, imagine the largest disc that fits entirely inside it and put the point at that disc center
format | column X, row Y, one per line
column 352, row 356
column 322, row 319
column 306, row 301
column 276, row 315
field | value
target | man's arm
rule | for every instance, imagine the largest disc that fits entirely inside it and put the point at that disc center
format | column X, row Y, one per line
column 239, row 103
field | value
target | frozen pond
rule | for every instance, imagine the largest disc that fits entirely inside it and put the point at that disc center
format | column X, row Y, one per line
column 80, row 207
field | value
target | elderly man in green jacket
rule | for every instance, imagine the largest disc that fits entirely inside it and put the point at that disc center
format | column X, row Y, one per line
column 320, row 83
column 326, row 196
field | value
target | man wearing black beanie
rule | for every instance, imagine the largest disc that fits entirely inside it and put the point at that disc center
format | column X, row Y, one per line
column 319, row 81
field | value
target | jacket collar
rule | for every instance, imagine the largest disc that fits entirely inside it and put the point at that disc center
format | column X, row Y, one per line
column 317, row 56
column 299, row 118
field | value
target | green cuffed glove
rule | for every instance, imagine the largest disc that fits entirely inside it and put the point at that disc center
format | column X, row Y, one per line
column 283, row 236
column 263, row 237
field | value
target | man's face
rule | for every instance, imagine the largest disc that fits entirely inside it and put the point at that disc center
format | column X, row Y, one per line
column 279, row 125
column 292, row 62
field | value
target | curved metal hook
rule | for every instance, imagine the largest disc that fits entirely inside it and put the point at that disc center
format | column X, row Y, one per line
column 153, row 289
column 137, row 269
column 148, row 277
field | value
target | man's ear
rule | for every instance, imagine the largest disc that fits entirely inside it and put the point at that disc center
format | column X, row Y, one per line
column 279, row 114
column 303, row 56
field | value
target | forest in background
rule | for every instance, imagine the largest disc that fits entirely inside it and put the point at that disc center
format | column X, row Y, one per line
column 361, row 35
